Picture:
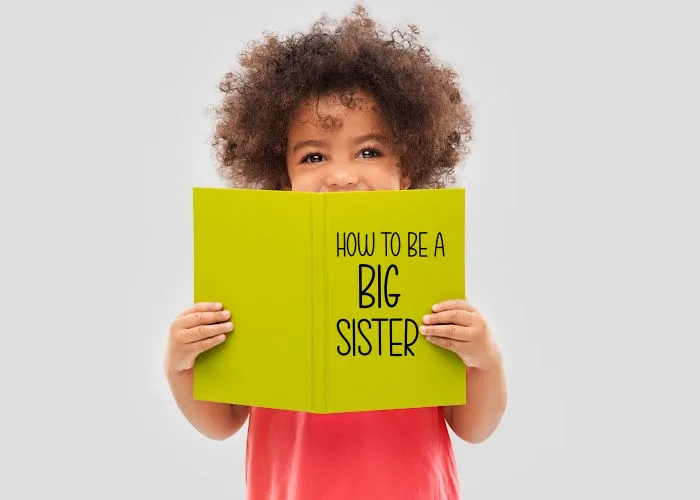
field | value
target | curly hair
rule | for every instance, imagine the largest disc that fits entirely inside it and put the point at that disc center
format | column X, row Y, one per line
column 419, row 99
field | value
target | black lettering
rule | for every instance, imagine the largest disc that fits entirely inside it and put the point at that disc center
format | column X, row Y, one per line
column 354, row 242
column 386, row 242
column 379, row 332
column 407, row 345
column 337, row 241
column 363, row 291
column 343, row 336
column 441, row 245
column 390, row 299
column 421, row 248
column 387, row 295
column 391, row 337
column 412, row 239
column 366, row 251
column 359, row 329
column 395, row 236
column 354, row 341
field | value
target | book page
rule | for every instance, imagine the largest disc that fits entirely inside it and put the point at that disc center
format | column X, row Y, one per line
column 391, row 256
column 252, row 253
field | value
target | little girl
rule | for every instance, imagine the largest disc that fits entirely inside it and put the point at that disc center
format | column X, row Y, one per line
column 344, row 108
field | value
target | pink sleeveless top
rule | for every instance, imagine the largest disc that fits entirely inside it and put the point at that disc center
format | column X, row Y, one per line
column 371, row 455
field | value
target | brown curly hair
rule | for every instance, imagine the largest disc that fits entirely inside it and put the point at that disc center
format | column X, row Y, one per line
column 419, row 99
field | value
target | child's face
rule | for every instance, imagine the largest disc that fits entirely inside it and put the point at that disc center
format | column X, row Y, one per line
column 357, row 156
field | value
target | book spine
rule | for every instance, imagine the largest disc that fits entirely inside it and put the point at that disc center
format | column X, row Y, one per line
column 319, row 400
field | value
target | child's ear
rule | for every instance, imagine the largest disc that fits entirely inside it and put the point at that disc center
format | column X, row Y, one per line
column 405, row 183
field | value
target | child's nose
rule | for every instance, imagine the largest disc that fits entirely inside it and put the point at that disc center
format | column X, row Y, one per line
column 341, row 176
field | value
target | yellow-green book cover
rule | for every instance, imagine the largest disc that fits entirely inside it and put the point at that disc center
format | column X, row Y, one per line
column 326, row 293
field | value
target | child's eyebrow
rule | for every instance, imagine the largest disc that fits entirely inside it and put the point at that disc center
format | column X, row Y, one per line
column 311, row 142
column 356, row 140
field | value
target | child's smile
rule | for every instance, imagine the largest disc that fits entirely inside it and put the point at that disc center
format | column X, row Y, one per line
column 355, row 156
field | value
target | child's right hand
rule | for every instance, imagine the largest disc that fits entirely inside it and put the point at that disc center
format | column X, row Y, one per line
column 195, row 330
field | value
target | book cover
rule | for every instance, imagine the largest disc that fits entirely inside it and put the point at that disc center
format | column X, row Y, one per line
column 326, row 293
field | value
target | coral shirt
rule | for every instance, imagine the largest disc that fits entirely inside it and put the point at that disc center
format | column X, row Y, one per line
column 404, row 454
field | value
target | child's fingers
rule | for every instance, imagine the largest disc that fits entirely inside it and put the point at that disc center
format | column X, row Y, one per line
column 207, row 343
column 460, row 317
column 456, row 346
column 453, row 304
column 201, row 307
column 200, row 318
column 467, row 351
column 454, row 332
column 202, row 332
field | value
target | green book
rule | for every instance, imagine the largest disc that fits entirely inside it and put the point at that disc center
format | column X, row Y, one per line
column 326, row 293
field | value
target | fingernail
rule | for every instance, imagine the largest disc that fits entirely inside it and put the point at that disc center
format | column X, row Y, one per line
column 422, row 329
column 426, row 318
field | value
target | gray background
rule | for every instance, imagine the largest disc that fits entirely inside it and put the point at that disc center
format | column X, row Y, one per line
column 582, row 238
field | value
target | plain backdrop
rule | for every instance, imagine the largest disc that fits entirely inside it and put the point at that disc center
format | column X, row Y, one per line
column 582, row 221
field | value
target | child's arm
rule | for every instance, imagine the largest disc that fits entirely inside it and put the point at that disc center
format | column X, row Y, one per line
column 486, row 403
column 193, row 331
column 459, row 327
column 214, row 420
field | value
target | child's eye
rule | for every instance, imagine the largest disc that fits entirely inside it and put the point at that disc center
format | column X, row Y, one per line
column 312, row 158
column 373, row 153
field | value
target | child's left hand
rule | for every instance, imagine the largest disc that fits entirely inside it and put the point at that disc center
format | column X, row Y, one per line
column 457, row 326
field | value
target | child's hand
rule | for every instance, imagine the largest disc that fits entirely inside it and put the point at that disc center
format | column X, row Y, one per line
column 194, row 331
column 460, row 328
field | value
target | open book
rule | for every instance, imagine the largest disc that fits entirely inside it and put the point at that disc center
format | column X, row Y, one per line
column 327, row 292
